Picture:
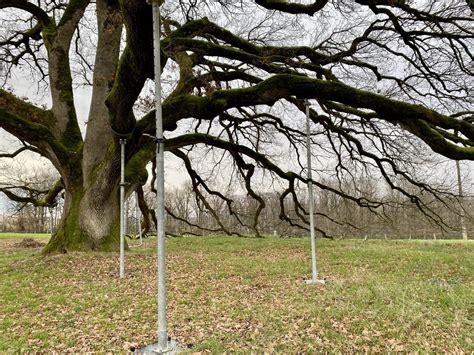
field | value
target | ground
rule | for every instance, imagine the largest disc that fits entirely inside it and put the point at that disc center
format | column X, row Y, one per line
column 243, row 294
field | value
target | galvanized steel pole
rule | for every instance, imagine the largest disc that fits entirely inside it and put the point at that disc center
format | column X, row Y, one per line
column 138, row 218
column 461, row 197
column 314, row 273
column 51, row 220
column 125, row 218
column 122, row 209
column 160, row 188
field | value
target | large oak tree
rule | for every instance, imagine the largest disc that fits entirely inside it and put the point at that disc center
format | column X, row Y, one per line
column 383, row 77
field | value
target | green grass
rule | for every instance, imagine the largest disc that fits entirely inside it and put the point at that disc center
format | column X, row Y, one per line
column 234, row 294
column 25, row 235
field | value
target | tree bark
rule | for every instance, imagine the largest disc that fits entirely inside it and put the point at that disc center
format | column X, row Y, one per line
column 91, row 218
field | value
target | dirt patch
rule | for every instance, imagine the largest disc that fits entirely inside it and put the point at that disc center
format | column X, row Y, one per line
column 29, row 243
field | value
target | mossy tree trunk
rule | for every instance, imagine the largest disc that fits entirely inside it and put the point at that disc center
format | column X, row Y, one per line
column 89, row 168
column 88, row 222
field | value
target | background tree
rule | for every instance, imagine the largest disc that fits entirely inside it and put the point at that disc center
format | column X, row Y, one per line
column 33, row 202
column 388, row 78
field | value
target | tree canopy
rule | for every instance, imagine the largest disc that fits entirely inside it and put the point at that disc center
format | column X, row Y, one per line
column 390, row 82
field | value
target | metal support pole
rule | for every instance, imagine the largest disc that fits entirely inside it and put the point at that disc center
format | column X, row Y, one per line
column 51, row 220
column 314, row 271
column 122, row 209
column 138, row 218
column 461, row 197
column 125, row 218
column 160, row 190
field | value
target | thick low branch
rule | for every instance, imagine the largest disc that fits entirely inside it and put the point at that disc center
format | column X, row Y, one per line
column 31, row 124
column 36, row 126
column 48, row 199
column 29, row 7
column 311, row 9
column 20, row 150
column 291, row 7
column 414, row 118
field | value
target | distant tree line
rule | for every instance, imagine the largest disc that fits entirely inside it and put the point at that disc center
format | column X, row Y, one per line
column 398, row 218
column 395, row 218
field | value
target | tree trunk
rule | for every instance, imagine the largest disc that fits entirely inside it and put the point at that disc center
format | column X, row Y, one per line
column 91, row 216
column 90, row 221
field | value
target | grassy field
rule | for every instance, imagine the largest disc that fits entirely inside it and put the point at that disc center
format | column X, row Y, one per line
column 24, row 235
column 243, row 295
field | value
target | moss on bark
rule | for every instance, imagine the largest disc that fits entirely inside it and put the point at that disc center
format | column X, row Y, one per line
column 71, row 237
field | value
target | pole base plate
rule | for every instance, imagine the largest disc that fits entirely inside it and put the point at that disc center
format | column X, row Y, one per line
column 172, row 348
column 315, row 282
